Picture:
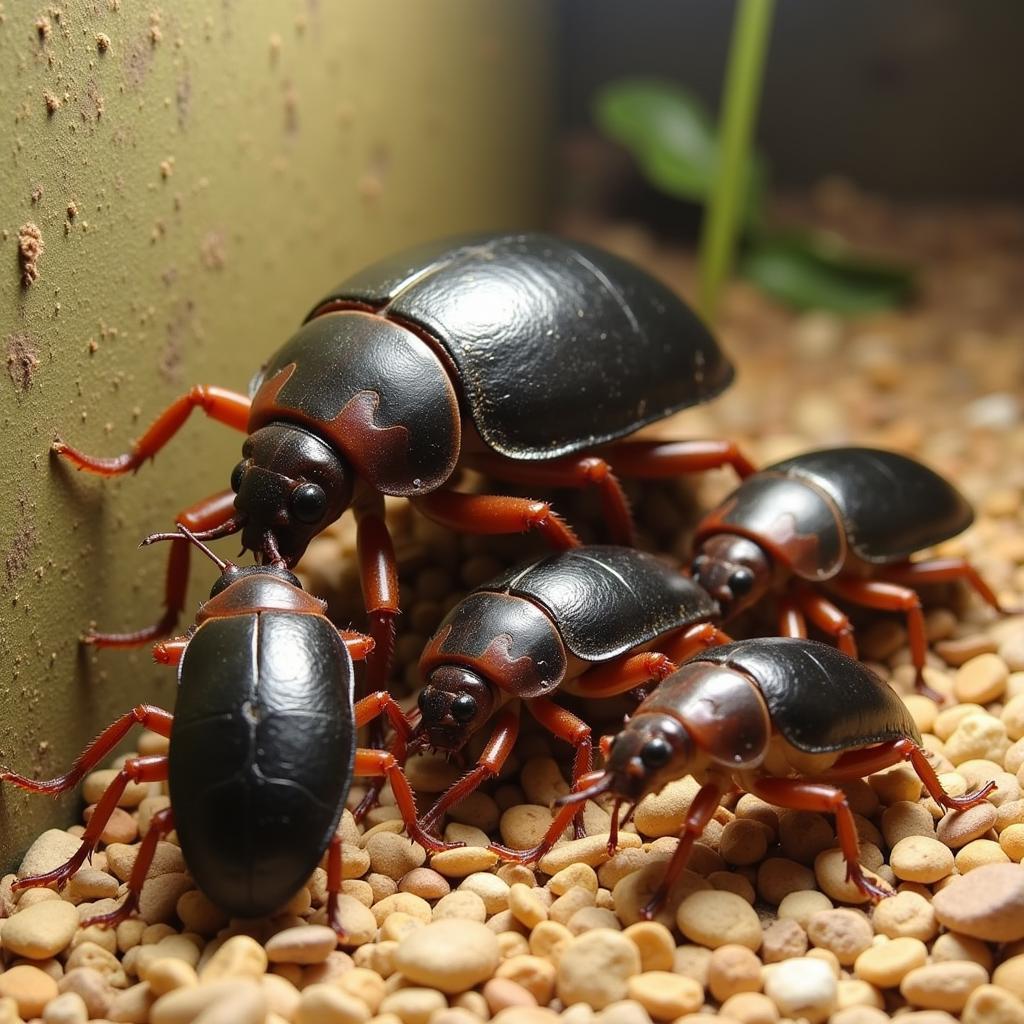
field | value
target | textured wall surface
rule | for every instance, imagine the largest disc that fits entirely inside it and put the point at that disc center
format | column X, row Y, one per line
column 180, row 182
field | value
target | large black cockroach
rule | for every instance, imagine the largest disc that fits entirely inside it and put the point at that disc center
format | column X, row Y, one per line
column 595, row 621
column 786, row 719
column 515, row 354
column 262, row 748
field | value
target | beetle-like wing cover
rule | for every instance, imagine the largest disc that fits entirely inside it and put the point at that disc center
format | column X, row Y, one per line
column 819, row 699
column 893, row 505
column 606, row 600
column 559, row 346
column 261, row 755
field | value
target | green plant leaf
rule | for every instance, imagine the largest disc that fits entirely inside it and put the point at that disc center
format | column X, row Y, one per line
column 671, row 135
column 819, row 271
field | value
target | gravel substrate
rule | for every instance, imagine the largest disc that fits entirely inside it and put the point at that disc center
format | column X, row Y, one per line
column 763, row 927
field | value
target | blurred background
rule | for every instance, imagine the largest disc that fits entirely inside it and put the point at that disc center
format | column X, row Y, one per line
column 182, row 182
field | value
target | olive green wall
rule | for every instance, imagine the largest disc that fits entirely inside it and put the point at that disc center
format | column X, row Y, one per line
column 200, row 173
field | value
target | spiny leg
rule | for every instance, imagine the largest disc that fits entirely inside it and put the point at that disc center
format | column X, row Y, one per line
column 494, row 514
column 800, row 795
column 489, row 765
column 566, row 726
column 945, row 570
column 572, row 471
column 662, row 460
column 161, row 824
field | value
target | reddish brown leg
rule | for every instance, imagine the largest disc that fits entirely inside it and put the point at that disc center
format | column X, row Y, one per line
column 693, row 640
column 623, row 674
column 659, row 460
column 702, row 810
column 334, row 878
column 791, row 620
column 202, row 518
column 375, row 763
column 799, row 795
column 146, row 715
column 944, row 570
column 227, row 407
column 136, row 769
column 358, row 645
column 490, row 514
column 566, row 726
column 855, row 764
column 490, row 763
column 827, row 617
column 573, row 471
column 892, row 598
column 161, row 824
column 170, row 652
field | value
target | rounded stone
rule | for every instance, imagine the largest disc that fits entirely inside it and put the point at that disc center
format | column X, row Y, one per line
column 595, row 969
column 714, row 918
column 449, row 955
column 803, row 987
column 42, row 930
column 987, row 903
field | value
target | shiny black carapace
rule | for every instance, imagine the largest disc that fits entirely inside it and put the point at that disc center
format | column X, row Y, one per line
column 786, row 719
column 520, row 355
column 262, row 749
column 845, row 518
column 595, row 621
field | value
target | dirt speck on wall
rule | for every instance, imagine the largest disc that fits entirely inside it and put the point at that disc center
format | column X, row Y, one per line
column 22, row 360
column 26, row 537
column 30, row 248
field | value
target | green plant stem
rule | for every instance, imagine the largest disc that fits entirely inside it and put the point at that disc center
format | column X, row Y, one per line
column 739, row 106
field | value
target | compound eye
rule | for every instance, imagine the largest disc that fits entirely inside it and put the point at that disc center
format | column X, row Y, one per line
column 741, row 581
column 308, row 503
column 656, row 753
column 236, row 476
column 464, row 708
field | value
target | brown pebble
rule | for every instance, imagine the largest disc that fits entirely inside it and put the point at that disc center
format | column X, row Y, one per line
column 944, row 986
column 958, row 828
column 987, row 903
column 29, row 987
column 715, row 918
column 595, row 969
column 305, row 944
column 450, row 955
column 731, row 969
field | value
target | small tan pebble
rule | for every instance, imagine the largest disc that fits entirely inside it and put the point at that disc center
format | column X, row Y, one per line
column 326, row 1004
column 526, row 906
column 563, row 908
column 526, row 1015
column 358, row 889
column 714, row 918
column 502, row 992
column 802, row 905
column 777, row 877
column 397, row 925
column 90, row 884
column 223, row 1002
column 803, row 835
column 381, row 886
column 550, row 939
column 624, row 1011
column 859, row 1015
column 513, row 873
column 625, row 862
column 88, row 954
column 535, row 974
column 731, row 881
column 830, row 870
column 9, row 1011
column 523, row 825
column 129, row 933
column 160, row 895
column 655, row 944
column 53, row 848
column 906, row 818
column 750, row 1008
column 989, row 1004
column 886, row 964
column 355, row 861
column 981, row 680
column 41, row 931
column 957, row 828
column 587, row 918
column 948, row 720
column 306, row 944
column 802, row 987
column 463, row 861
column 1013, row 717
column 357, row 921
column 744, row 841
column 733, row 969
column 460, row 904
column 394, row 855
column 1010, row 813
column 1011, row 839
column 900, row 782
column 635, row 891
column 490, row 888
column 592, row 850
column 454, row 832
column 282, row 996
column 425, row 883
column 334, row 965
column 91, row 986
column 951, row 946
column 847, row 933
column 987, row 903
column 167, row 973
column 452, row 956
column 198, row 913
column 239, row 957
column 978, row 735
column 29, row 897
column 133, row 1004
column 366, row 985
column 68, row 1008
column 412, row 1005
column 453, row 1015
column 907, row 914
column 943, row 986
column 377, row 956
column 921, row 859
column 581, row 875
column 472, row 1001
column 1010, row 975
column 854, row 992
column 29, row 987
column 665, row 995
column 404, row 902
column 595, row 967
column 512, row 944
column 95, row 784
column 978, row 854
column 782, row 940
column 692, row 962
